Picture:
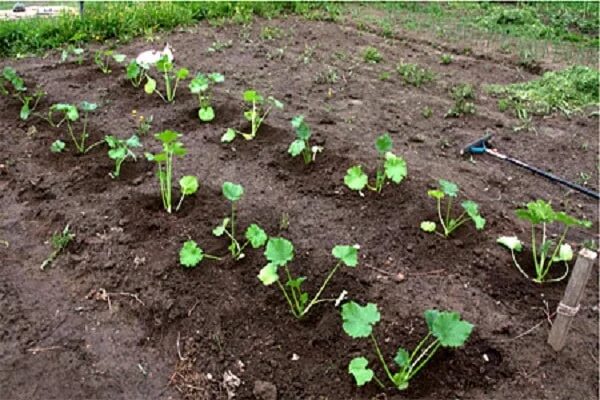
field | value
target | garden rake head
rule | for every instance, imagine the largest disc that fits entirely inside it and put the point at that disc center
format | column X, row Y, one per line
column 479, row 146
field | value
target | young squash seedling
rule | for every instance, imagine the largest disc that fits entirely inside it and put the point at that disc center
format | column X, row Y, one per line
column 390, row 167
column 172, row 148
column 102, row 59
column 445, row 329
column 256, row 115
column 255, row 235
column 539, row 214
column 190, row 254
column 77, row 52
column 279, row 253
column 301, row 145
column 135, row 73
column 120, row 150
column 201, row 86
column 70, row 115
column 57, row 146
column 170, row 76
column 450, row 224
column 188, row 185
column 461, row 94
column 19, row 91
column 59, row 242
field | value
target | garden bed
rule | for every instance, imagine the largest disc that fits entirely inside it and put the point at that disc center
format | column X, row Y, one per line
column 172, row 332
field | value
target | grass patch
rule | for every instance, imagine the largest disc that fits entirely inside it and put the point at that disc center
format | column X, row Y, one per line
column 122, row 22
column 568, row 91
column 414, row 74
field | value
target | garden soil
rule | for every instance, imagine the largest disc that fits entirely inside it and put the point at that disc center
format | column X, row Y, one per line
column 116, row 316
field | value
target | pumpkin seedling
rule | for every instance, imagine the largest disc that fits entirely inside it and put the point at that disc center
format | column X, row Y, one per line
column 57, row 146
column 170, row 76
column 445, row 329
column 301, row 145
column 102, row 59
column 59, row 242
column 77, row 52
column 255, row 115
column 19, row 91
column 120, row 150
column 201, row 86
column 539, row 214
column 135, row 73
column 191, row 254
column 172, row 148
column 279, row 253
column 390, row 167
column 450, row 224
column 70, row 115
column 188, row 185
column 255, row 235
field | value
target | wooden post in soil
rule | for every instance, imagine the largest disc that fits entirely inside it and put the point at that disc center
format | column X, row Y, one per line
column 569, row 305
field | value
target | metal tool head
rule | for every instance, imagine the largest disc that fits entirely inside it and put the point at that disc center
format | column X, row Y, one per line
column 479, row 146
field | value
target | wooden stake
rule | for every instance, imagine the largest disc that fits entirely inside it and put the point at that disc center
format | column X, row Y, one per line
column 569, row 304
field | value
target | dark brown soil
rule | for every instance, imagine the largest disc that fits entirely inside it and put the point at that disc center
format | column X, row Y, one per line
column 187, row 328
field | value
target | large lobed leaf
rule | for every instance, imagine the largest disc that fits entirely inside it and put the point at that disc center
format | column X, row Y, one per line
column 358, row 367
column 395, row 167
column 358, row 321
column 279, row 251
column 346, row 254
column 232, row 191
column 190, row 254
column 448, row 328
column 355, row 178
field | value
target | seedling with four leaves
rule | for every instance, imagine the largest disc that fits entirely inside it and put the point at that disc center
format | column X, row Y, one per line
column 201, row 86
column 70, row 115
column 445, row 329
column 120, row 150
column 261, row 108
column 102, row 59
column 170, row 76
column 390, row 167
column 279, row 253
column 302, row 143
column 19, row 91
column 539, row 214
column 450, row 224
column 255, row 235
column 172, row 148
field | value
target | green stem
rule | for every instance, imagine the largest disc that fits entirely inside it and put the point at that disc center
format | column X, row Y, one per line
column 209, row 256
column 425, row 361
column 439, row 210
column 287, row 298
column 448, row 208
column 381, row 385
column 70, row 130
column 381, row 359
column 534, row 251
column 321, row 289
column 554, row 253
column 180, row 202
column 294, row 297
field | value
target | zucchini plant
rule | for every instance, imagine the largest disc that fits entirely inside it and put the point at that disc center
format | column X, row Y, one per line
column 135, row 73
column 445, row 329
column 190, row 254
column 539, row 214
column 255, row 235
column 12, row 84
column 302, row 145
column 448, row 222
column 119, row 150
column 280, row 252
column 259, row 109
column 170, row 76
column 102, row 59
column 390, row 167
column 201, row 86
column 70, row 115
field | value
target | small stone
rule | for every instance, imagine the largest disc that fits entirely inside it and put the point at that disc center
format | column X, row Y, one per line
column 410, row 247
column 264, row 390
column 138, row 180
column 399, row 277
column 418, row 138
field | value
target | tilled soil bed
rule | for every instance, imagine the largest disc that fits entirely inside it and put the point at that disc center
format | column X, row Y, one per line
column 171, row 333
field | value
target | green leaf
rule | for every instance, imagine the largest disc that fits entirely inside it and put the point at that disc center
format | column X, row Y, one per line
column 167, row 136
column 183, row 73
column 70, row 110
column 133, row 70
column 428, row 226
column 359, row 320
column 190, row 254
column 436, row 194
column 402, row 358
column 206, row 114
column 358, row 368
column 188, row 184
column 276, row 103
column 346, row 254
column 565, row 253
column 199, row 84
column 133, row 141
column 383, row 143
column 164, row 65
column 150, row 85
column 472, row 210
column 449, row 188
column 232, row 191
column 450, row 330
column 57, row 146
column 177, row 148
column 572, row 221
column 252, row 96
column 117, row 153
column 355, row 178
column 279, row 251
column 216, row 77
column 268, row 274
column 256, row 236
column 538, row 211
column 430, row 317
column 395, row 167
column 119, row 57
column 296, row 283
column 511, row 242
column 220, row 230
column 25, row 111
column 87, row 106
column 301, row 127
column 228, row 136
column 296, row 147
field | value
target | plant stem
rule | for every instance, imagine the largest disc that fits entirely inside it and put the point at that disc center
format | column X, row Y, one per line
column 212, row 257
column 180, row 202
column 439, row 210
column 316, row 298
column 534, row 251
column 381, row 359
column 289, row 276
column 287, row 298
column 381, row 385
column 425, row 361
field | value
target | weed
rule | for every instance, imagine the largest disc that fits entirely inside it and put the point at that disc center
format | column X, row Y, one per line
column 385, row 76
column 102, row 59
column 427, row 112
column 76, row 52
column 144, row 125
column 59, row 242
column 372, row 56
column 271, row 33
column 446, row 59
column 218, row 46
column 461, row 94
column 413, row 74
column 329, row 76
